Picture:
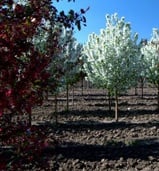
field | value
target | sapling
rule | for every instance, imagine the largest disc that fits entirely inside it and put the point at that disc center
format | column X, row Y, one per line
column 150, row 53
column 111, row 57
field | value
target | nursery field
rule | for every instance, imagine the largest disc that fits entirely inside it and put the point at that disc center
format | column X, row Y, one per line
column 86, row 138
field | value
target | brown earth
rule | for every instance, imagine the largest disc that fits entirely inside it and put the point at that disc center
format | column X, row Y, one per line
column 90, row 140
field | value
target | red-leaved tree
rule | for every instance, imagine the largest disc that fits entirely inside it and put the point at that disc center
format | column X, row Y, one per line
column 22, row 68
column 23, row 74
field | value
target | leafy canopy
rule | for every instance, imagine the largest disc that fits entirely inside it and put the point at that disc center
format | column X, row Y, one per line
column 111, row 57
column 150, row 53
column 23, row 66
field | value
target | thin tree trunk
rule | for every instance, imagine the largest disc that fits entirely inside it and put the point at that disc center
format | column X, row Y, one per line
column 116, row 106
column 82, row 83
column 142, row 88
column 73, row 95
column 109, row 101
column 158, row 97
column 46, row 94
column 30, row 119
column 55, row 112
column 67, row 98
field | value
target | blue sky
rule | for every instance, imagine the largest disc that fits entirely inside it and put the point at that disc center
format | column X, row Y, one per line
column 142, row 14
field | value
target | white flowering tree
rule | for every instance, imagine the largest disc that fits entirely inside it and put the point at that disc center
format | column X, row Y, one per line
column 111, row 57
column 65, row 66
column 72, row 64
column 150, row 54
column 143, row 65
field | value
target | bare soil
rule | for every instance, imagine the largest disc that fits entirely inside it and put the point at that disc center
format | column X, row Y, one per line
column 88, row 138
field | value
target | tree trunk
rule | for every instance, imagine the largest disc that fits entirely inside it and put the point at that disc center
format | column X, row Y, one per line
column 55, row 112
column 158, row 97
column 116, row 106
column 82, row 83
column 30, row 119
column 67, row 98
column 142, row 88
column 109, row 101
column 46, row 94
column 73, row 95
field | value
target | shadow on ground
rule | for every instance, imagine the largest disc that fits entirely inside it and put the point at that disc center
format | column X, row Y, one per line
column 95, row 125
column 138, row 149
column 106, row 113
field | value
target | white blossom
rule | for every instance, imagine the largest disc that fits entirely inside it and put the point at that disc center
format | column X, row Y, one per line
column 111, row 57
column 150, row 53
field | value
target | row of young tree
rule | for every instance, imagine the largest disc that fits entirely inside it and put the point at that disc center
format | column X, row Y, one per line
column 113, row 60
column 38, row 52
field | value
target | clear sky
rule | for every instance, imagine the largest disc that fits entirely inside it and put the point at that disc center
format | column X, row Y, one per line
column 142, row 14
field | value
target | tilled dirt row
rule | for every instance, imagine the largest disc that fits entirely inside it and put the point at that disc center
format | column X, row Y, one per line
column 90, row 140
column 108, row 146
